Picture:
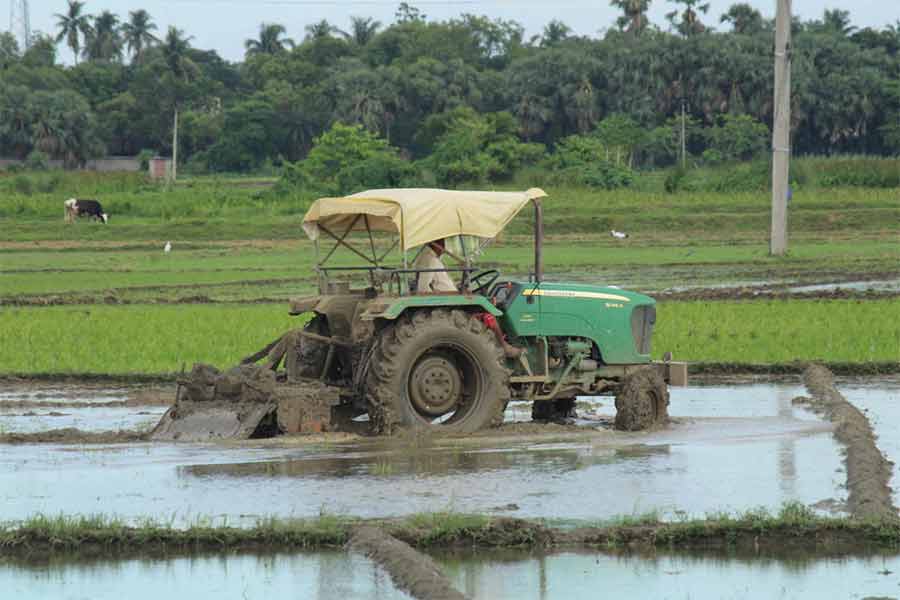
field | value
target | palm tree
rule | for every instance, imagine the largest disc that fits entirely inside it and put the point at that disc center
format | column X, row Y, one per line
column 689, row 23
column 322, row 29
column 554, row 32
column 175, row 49
column 634, row 15
column 137, row 33
column 362, row 30
column 743, row 18
column 269, row 41
column 104, row 43
column 72, row 26
column 181, row 70
column 837, row 21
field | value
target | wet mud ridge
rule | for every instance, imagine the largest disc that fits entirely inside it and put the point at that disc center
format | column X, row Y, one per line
column 71, row 435
column 410, row 570
column 868, row 471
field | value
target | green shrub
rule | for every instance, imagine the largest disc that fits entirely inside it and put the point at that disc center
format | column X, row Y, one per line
column 382, row 171
column 675, row 179
column 470, row 147
column 23, row 185
column 582, row 160
column 37, row 161
column 144, row 157
column 861, row 172
column 735, row 138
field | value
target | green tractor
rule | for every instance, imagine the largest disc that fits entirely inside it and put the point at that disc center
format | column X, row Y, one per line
column 451, row 361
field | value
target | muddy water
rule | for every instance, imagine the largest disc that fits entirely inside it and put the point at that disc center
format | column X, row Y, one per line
column 730, row 448
column 322, row 575
column 32, row 409
column 574, row 576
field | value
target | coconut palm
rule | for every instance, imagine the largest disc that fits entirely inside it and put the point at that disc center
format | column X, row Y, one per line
column 634, row 15
column 103, row 41
column 362, row 30
column 322, row 29
column 270, row 41
column 743, row 18
column 555, row 32
column 181, row 71
column 73, row 26
column 175, row 50
column 837, row 21
column 688, row 21
column 137, row 33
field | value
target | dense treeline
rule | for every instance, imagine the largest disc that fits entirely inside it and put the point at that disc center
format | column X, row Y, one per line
column 469, row 98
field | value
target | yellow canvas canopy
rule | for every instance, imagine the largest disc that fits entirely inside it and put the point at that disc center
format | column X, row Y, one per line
column 419, row 216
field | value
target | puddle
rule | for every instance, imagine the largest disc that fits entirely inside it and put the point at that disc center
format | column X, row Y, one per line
column 732, row 448
column 320, row 575
column 105, row 418
column 573, row 576
column 27, row 409
column 887, row 285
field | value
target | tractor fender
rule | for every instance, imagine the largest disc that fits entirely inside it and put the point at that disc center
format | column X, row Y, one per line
column 338, row 309
column 304, row 305
column 391, row 308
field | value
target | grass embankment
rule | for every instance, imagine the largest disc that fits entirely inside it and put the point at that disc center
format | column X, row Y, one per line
column 158, row 339
column 793, row 526
column 222, row 209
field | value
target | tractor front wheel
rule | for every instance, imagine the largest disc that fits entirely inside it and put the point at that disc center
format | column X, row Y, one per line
column 440, row 370
column 642, row 402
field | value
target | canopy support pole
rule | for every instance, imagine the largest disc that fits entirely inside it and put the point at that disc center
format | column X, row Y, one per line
column 538, row 241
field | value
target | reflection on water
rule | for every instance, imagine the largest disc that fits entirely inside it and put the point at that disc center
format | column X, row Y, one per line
column 433, row 462
column 321, row 576
column 574, row 576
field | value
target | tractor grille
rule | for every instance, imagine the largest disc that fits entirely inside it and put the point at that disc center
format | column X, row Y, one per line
column 642, row 320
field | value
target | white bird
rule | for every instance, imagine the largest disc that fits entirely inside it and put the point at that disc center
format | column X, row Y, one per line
column 168, row 247
column 619, row 235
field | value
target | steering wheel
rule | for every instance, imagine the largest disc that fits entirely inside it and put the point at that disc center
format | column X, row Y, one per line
column 476, row 285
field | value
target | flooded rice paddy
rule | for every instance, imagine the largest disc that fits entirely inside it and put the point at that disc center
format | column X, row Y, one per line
column 323, row 575
column 730, row 448
column 506, row 575
column 587, row 575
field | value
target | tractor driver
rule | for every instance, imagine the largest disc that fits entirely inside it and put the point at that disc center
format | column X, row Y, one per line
column 433, row 281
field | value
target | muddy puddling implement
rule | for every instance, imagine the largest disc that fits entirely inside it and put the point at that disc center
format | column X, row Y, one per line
column 428, row 347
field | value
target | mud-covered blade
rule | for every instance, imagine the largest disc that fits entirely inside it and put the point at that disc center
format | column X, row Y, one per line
column 203, row 421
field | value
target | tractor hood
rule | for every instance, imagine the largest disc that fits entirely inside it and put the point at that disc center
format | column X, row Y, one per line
column 419, row 216
column 585, row 291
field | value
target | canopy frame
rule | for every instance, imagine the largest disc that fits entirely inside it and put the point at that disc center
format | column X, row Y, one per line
column 375, row 263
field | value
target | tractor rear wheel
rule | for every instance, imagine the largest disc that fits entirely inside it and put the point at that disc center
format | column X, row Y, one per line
column 642, row 402
column 440, row 370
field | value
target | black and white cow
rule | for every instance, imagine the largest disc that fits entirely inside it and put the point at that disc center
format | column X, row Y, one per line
column 84, row 208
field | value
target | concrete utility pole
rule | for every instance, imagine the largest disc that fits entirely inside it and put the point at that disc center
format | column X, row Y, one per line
column 20, row 23
column 781, row 134
column 175, row 146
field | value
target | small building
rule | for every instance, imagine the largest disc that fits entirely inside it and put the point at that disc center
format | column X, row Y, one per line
column 160, row 167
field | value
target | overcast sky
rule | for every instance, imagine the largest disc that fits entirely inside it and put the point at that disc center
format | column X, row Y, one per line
column 223, row 25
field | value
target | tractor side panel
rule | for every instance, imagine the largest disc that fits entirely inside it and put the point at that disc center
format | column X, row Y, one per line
column 601, row 314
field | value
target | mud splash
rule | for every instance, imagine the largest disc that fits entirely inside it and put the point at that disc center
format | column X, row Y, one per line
column 868, row 471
